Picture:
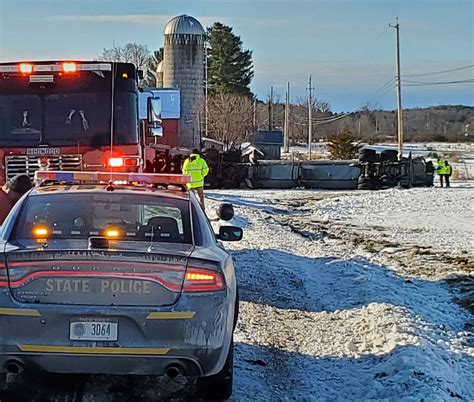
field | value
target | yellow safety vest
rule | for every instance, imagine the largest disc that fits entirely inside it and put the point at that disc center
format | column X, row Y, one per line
column 442, row 168
column 197, row 168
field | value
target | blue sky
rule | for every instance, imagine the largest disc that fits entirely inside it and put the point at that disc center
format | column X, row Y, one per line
column 347, row 46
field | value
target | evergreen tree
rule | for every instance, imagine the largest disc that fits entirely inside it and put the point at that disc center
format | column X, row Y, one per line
column 230, row 68
column 343, row 145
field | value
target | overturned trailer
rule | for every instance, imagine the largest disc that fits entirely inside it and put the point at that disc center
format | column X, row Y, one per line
column 372, row 171
column 323, row 174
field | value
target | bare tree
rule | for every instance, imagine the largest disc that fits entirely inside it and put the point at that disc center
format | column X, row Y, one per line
column 230, row 117
column 134, row 53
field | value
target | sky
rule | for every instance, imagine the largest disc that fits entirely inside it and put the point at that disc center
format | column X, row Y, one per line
column 347, row 46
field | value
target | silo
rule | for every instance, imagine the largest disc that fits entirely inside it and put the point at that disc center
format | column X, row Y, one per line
column 183, row 68
column 159, row 75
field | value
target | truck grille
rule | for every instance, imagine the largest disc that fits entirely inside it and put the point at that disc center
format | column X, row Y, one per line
column 21, row 164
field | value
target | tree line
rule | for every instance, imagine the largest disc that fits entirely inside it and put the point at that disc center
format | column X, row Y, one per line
column 235, row 113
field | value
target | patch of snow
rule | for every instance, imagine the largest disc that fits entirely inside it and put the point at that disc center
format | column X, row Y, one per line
column 318, row 322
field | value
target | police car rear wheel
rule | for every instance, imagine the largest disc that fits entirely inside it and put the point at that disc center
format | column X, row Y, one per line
column 218, row 387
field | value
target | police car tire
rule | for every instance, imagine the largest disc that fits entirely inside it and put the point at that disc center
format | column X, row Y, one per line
column 218, row 387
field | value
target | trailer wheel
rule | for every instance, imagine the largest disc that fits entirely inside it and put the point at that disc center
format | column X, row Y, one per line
column 366, row 183
column 389, row 155
column 367, row 155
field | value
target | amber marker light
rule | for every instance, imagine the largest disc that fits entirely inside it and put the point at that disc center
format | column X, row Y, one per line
column 112, row 233
column 69, row 67
column 26, row 68
column 40, row 232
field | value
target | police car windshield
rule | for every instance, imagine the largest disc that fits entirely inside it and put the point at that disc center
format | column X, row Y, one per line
column 131, row 217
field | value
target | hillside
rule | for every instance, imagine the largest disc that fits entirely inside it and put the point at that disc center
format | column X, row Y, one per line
column 437, row 123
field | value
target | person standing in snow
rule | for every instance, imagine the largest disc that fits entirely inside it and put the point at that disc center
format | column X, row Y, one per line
column 449, row 172
column 443, row 170
column 197, row 168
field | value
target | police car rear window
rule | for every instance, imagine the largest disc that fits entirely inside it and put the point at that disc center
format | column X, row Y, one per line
column 133, row 217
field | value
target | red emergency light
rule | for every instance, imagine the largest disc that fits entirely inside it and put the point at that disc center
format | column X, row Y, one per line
column 69, row 67
column 107, row 177
column 26, row 68
column 61, row 67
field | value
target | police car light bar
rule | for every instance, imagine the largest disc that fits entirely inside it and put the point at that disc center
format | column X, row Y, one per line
column 68, row 67
column 107, row 177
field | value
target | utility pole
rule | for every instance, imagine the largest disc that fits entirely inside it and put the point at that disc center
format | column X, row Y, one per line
column 255, row 113
column 206, row 92
column 310, row 116
column 270, row 110
column 399, row 93
column 286, row 138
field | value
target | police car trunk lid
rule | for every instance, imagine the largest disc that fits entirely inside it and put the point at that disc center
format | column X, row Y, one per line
column 75, row 275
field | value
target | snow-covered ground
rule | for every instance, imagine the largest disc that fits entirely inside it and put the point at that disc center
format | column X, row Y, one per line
column 345, row 296
column 324, row 317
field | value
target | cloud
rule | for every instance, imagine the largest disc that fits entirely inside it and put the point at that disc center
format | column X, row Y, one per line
column 156, row 19
column 142, row 19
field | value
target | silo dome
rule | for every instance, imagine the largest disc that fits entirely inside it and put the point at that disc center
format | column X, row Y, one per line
column 159, row 75
column 183, row 68
column 184, row 25
column 159, row 68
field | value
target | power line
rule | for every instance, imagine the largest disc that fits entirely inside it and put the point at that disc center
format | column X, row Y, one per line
column 426, row 83
column 331, row 121
column 439, row 72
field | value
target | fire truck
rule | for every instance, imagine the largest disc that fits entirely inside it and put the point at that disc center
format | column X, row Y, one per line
column 63, row 115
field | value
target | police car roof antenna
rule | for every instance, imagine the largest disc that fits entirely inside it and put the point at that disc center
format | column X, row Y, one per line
column 152, row 237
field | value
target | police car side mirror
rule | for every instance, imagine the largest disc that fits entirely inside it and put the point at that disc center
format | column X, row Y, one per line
column 230, row 233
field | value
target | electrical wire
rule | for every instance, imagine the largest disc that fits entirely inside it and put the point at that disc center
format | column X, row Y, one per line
column 439, row 72
column 426, row 83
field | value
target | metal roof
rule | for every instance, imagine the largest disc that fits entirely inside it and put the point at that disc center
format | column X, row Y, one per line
column 184, row 25
column 268, row 137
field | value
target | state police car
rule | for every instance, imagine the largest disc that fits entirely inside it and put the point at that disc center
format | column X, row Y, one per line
column 117, row 273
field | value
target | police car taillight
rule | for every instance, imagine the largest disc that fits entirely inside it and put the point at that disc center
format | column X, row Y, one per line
column 202, row 280
column 107, row 177
column 3, row 275
column 203, row 276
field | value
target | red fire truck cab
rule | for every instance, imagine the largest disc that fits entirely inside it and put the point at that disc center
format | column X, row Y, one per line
column 59, row 115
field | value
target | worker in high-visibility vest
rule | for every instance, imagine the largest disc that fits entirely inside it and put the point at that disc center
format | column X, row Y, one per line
column 197, row 168
column 444, row 171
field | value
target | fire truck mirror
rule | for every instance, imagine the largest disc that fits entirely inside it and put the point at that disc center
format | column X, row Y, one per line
column 154, row 111
column 156, row 131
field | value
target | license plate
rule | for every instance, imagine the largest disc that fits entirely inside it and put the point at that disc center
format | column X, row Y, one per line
column 93, row 330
